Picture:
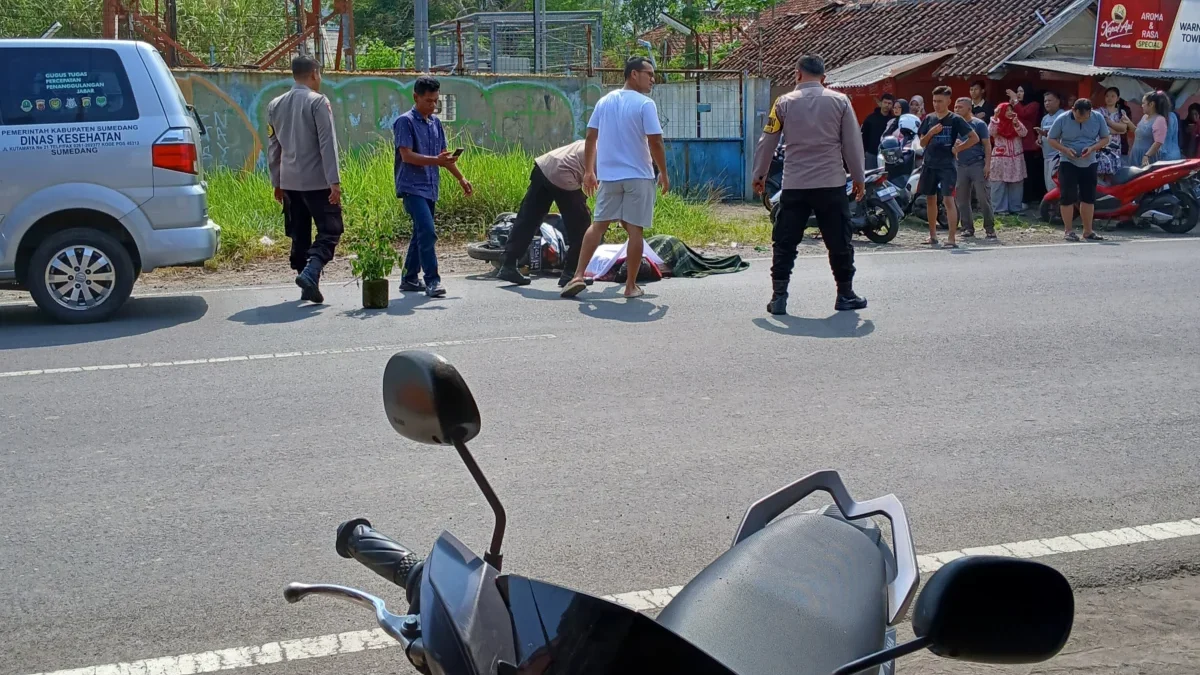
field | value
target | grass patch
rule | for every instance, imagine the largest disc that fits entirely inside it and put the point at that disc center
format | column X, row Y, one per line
column 242, row 203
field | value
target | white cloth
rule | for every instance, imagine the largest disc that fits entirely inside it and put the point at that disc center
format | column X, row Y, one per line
column 622, row 119
column 608, row 256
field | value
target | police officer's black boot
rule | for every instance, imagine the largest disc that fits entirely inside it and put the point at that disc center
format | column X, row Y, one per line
column 847, row 300
column 509, row 272
column 779, row 297
column 308, row 281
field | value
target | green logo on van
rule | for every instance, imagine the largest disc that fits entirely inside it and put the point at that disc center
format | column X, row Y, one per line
column 26, row 105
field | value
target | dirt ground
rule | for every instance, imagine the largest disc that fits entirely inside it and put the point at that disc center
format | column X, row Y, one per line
column 453, row 259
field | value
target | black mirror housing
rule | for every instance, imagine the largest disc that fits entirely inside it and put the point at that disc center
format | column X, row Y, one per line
column 427, row 400
column 991, row 609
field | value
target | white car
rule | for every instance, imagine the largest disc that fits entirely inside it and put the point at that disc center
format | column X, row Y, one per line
column 100, row 176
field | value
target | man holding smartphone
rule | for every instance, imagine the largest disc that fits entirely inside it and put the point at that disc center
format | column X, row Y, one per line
column 420, row 154
column 1078, row 137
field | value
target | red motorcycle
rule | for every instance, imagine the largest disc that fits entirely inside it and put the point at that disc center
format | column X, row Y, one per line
column 1163, row 194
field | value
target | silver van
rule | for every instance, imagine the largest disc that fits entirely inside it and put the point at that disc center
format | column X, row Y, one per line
column 100, row 176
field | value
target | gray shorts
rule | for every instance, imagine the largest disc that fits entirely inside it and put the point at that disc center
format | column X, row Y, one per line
column 629, row 201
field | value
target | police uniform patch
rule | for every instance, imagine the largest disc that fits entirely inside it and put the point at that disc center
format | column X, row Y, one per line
column 270, row 131
column 773, row 124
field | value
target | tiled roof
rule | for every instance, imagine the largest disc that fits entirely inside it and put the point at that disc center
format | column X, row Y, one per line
column 983, row 31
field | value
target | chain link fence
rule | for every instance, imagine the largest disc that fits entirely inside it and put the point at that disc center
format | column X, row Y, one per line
column 509, row 43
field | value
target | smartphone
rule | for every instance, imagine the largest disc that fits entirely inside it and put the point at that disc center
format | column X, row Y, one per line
column 457, row 152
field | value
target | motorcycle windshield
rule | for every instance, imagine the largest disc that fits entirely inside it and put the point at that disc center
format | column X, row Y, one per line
column 561, row 632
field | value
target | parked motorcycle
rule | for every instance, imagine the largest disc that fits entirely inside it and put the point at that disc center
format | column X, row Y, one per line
column 877, row 216
column 1164, row 194
column 808, row 593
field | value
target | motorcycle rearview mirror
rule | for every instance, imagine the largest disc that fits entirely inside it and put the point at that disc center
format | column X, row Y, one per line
column 427, row 401
column 987, row 609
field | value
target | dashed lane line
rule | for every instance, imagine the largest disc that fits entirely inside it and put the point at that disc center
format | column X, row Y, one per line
column 275, row 355
column 352, row 642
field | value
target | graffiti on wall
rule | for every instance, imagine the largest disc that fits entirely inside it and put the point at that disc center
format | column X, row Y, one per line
column 493, row 112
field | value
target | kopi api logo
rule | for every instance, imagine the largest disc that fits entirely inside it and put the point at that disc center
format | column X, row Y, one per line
column 1119, row 26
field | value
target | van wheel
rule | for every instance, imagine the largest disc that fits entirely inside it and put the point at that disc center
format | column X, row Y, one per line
column 80, row 275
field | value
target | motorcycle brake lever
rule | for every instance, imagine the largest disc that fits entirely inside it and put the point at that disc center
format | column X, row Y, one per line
column 403, row 629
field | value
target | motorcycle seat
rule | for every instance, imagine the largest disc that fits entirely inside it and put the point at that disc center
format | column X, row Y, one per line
column 803, row 596
column 1128, row 173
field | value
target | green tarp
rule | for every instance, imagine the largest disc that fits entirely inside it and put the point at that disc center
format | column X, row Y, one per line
column 682, row 261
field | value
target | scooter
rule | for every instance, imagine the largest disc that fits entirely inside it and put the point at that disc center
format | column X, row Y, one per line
column 877, row 217
column 1163, row 194
column 806, row 593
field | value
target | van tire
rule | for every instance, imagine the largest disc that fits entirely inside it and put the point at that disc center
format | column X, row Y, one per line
column 106, row 246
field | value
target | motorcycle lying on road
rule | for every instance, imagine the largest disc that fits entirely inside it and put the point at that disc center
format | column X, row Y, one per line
column 877, row 217
column 809, row 593
column 1165, row 194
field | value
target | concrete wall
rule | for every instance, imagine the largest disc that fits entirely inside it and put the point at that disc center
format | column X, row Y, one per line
column 534, row 113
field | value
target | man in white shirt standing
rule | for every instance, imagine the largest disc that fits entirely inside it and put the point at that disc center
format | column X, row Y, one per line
column 627, row 121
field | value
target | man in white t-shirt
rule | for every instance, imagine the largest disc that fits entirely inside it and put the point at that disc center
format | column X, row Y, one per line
column 626, row 120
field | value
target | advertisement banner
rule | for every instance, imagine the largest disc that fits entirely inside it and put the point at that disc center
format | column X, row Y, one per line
column 1148, row 34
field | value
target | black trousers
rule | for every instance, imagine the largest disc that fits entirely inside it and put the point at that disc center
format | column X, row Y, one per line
column 572, row 205
column 300, row 209
column 832, row 209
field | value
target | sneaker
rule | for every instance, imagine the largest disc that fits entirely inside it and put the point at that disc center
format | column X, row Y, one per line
column 850, row 302
column 992, row 236
column 512, row 275
column 436, row 290
column 417, row 286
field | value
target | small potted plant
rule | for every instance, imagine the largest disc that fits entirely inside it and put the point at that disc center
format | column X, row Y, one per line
column 374, row 258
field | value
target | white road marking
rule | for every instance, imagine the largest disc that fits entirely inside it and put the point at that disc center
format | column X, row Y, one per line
column 276, row 355
column 336, row 644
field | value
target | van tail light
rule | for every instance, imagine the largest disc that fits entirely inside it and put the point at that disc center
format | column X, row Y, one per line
column 175, row 150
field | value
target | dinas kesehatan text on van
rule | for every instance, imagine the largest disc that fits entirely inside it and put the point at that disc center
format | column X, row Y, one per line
column 71, row 140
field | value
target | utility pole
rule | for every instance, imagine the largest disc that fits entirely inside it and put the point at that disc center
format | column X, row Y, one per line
column 173, row 33
column 539, row 36
column 421, row 35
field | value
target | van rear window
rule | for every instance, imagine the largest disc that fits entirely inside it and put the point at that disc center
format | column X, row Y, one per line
column 41, row 85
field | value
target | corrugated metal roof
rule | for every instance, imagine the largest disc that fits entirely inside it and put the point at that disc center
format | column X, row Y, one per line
column 868, row 71
column 1069, row 66
column 1084, row 67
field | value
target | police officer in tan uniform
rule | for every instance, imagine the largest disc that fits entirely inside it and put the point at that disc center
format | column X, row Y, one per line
column 302, row 156
column 823, row 143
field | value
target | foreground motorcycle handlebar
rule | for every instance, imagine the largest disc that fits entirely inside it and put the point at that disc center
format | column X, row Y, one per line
column 382, row 555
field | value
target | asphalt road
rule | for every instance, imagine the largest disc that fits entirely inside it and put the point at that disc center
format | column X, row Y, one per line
column 1002, row 395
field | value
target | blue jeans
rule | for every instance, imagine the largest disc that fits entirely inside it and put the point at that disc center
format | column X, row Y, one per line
column 422, row 255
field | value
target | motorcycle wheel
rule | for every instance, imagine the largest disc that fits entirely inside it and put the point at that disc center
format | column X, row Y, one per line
column 1189, row 213
column 482, row 250
column 1050, row 212
column 886, row 231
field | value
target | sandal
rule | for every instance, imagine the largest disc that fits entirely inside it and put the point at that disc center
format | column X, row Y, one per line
column 932, row 241
column 573, row 289
column 1092, row 236
column 637, row 293
column 950, row 245
column 1071, row 236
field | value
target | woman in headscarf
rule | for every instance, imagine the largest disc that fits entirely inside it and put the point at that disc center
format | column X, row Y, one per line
column 1009, row 171
column 917, row 106
column 899, row 109
column 1024, row 101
